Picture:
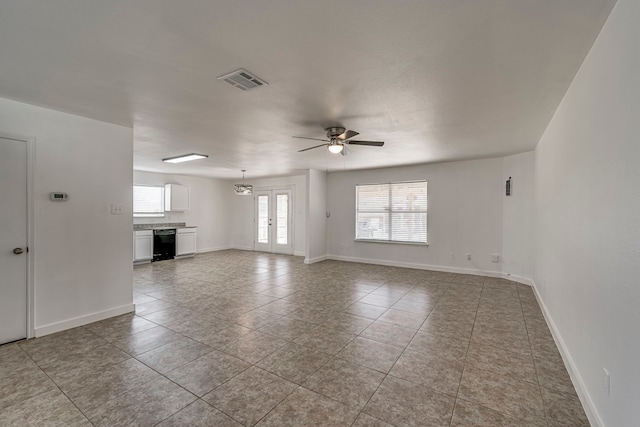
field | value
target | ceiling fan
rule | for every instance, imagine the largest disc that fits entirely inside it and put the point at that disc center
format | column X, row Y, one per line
column 339, row 137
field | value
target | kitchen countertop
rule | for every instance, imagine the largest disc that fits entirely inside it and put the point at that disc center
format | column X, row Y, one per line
column 164, row 226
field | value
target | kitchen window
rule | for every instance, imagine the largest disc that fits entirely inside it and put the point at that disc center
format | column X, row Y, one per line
column 392, row 212
column 148, row 201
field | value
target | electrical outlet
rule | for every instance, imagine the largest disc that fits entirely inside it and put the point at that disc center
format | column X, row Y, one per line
column 468, row 256
column 117, row 210
column 495, row 257
column 452, row 255
column 606, row 382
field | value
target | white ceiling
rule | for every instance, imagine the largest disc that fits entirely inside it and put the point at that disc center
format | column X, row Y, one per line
column 436, row 80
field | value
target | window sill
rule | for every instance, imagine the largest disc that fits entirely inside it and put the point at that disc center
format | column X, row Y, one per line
column 391, row 241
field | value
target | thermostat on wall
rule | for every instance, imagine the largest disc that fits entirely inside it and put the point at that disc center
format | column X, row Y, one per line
column 58, row 197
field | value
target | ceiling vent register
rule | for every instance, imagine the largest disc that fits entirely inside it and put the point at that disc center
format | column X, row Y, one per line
column 243, row 80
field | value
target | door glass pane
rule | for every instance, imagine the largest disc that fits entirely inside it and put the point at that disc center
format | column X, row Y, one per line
column 282, row 218
column 263, row 219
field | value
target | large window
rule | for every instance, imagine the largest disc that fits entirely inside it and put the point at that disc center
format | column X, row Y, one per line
column 392, row 212
column 148, row 201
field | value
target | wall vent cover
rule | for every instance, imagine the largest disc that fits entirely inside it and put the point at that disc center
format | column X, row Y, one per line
column 243, row 80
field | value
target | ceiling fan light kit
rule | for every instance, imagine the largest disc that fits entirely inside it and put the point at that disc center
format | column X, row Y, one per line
column 338, row 138
column 243, row 189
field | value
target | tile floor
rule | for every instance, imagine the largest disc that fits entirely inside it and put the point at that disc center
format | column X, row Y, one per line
column 240, row 338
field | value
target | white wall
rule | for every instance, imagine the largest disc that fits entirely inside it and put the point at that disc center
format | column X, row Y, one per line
column 587, row 211
column 316, row 249
column 210, row 200
column 242, row 227
column 517, row 217
column 82, row 254
column 465, row 216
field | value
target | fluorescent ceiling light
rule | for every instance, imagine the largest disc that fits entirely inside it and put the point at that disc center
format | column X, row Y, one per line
column 185, row 158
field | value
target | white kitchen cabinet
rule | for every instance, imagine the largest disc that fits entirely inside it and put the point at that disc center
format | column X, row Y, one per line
column 142, row 246
column 176, row 198
column 185, row 242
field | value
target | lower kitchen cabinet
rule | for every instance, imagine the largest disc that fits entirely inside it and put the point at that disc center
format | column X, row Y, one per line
column 142, row 246
column 185, row 242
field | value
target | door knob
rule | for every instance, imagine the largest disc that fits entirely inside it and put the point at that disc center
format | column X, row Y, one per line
column 18, row 251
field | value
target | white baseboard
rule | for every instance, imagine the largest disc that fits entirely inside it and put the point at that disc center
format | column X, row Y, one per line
column 576, row 378
column 297, row 253
column 82, row 320
column 242, row 248
column 213, row 249
column 519, row 279
column 316, row 259
column 417, row 266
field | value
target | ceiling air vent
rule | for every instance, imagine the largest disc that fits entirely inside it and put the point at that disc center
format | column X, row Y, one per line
column 242, row 79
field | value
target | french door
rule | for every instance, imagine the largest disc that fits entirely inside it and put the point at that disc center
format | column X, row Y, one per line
column 274, row 221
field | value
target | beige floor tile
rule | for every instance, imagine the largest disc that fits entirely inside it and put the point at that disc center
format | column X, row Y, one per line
column 430, row 370
column 365, row 420
column 518, row 343
column 144, row 406
column 403, row 318
column 450, row 347
column 365, row 310
column 563, row 409
column 254, row 346
column 250, row 395
column 468, row 414
column 511, row 396
column 306, row 408
column 146, row 340
column 205, row 373
column 24, row 381
column 49, row 408
column 501, row 361
column 120, row 326
column 388, row 334
column 219, row 336
column 326, row 305
column 199, row 414
column 169, row 356
column 403, row 403
column 287, row 328
column 345, row 382
column 552, row 374
column 95, row 388
column 294, row 362
column 324, row 339
column 62, row 367
column 372, row 354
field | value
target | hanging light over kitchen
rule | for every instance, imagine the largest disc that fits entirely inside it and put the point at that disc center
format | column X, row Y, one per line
column 243, row 189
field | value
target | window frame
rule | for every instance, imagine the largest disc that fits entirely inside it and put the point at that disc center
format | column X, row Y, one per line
column 150, row 214
column 389, row 211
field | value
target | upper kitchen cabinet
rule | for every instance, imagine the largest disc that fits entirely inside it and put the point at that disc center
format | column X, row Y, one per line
column 176, row 198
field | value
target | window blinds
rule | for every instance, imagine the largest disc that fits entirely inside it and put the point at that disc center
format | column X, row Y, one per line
column 395, row 212
column 148, row 201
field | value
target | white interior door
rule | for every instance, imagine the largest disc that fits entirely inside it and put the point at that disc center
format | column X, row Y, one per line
column 274, row 221
column 13, row 250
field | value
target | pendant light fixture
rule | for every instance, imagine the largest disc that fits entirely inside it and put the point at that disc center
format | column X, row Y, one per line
column 243, row 189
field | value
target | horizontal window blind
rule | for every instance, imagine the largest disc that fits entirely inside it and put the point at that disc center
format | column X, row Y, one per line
column 395, row 212
column 148, row 201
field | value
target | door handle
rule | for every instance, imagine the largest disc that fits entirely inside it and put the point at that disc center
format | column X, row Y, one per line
column 18, row 251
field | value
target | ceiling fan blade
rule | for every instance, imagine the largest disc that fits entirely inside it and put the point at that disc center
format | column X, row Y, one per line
column 311, row 148
column 313, row 139
column 347, row 135
column 371, row 143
